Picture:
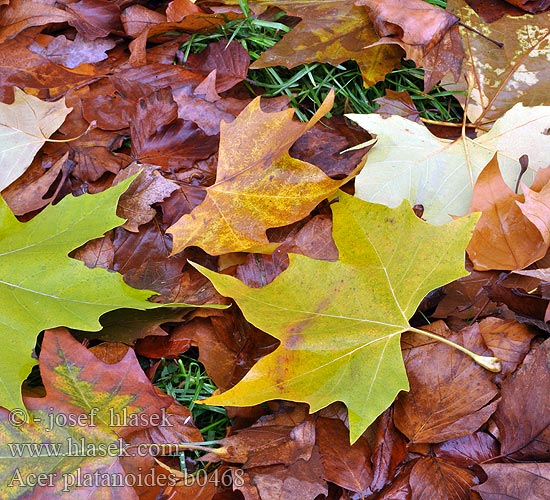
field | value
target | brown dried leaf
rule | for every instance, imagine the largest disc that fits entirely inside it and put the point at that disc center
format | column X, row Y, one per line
column 389, row 449
column 161, row 138
column 94, row 18
column 522, row 414
column 191, row 24
column 230, row 60
column 97, row 253
column 434, row 478
column 73, row 53
column 428, row 34
column 346, row 465
column 514, row 481
column 531, row 6
column 504, row 238
column 271, row 441
column 508, row 340
column 501, row 76
column 148, row 188
column 467, row 451
column 35, row 189
column 22, row 68
column 137, row 18
column 450, row 395
column 398, row 103
column 313, row 239
column 21, row 14
column 302, row 479
column 177, row 10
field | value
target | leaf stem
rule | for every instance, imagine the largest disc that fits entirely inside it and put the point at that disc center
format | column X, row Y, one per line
column 177, row 448
column 500, row 45
column 91, row 126
column 490, row 363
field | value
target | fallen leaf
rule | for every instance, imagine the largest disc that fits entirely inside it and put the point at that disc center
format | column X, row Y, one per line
column 521, row 415
column 345, row 465
column 129, row 325
column 326, row 144
column 258, row 185
column 177, row 10
column 138, row 18
column 94, row 18
column 513, row 481
column 282, row 438
column 500, row 77
column 73, row 53
column 313, row 239
column 508, row 340
column 33, row 191
column 96, row 253
column 397, row 103
column 467, row 451
column 434, row 478
column 148, row 188
column 229, row 59
column 25, row 125
column 159, row 137
column 36, row 298
column 531, row 6
column 105, row 410
column 331, row 31
column 228, row 345
column 529, row 308
column 536, row 208
column 491, row 12
column 504, row 237
column 389, row 450
column 193, row 23
column 428, row 35
column 301, row 479
column 21, row 14
column 334, row 347
column 450, row 396
column 35, row 74
column 408, row 162
column 122, row 91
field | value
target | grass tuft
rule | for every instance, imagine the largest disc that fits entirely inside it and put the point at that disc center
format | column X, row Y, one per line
column 186, row 380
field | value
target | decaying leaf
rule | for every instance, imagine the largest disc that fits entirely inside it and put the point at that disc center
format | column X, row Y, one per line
column 434, row 478
column 331, row 31
column 258, row 185
column 450, row 396
column 504, row 238
column 511, row 481
column 25, row 125
column 428, row 34
column 339, row 323
column 501, row 76
column 521, row 415
column 72, row 53
column 148, row 188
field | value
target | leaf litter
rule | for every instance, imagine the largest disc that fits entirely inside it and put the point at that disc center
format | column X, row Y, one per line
column 195, row 130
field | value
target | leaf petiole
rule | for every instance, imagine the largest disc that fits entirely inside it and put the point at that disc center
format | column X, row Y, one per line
column 490, row 363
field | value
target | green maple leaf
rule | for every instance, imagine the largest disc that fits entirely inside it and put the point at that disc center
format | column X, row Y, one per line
column 340, row 322
column 41, row 287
